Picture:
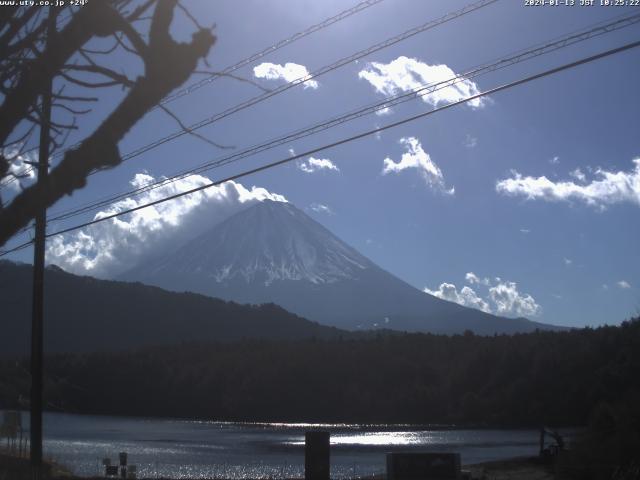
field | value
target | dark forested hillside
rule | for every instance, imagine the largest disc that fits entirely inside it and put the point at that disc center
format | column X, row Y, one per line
column 84, row 314
column 539, row 378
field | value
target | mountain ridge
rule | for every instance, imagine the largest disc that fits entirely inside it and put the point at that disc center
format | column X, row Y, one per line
column 274, row 252
column 85, row 314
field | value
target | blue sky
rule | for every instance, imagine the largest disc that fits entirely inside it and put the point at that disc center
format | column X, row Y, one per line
column 560, row 249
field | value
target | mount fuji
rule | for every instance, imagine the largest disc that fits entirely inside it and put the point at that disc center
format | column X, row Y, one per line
column 274, row 253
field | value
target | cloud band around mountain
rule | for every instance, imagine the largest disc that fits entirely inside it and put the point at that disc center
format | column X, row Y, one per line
column 106, row 249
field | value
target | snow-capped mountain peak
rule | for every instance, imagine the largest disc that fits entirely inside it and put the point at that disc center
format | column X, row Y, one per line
column 268, row 242
column 273, row 252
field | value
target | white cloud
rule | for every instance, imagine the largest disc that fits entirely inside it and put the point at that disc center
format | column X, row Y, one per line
column 289, row 72
column 578, row 175
column 467, row 296
column 111, row 247
column 406, row 74
column 470, row 141
column 316, row 164
column 19, row 168
column 525, row 230
column 568, row 261
column 384, row 111
column 321, row 208
column 508, row 301
column 503, row 297
column 416, row 157
column 292, row 152
column 472, row 278
column 554, row 160
column 378, row 135
column 624, row 284
column 607, row 189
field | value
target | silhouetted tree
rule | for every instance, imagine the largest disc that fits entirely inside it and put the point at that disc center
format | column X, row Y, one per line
column 560, row 379
column 28, row 60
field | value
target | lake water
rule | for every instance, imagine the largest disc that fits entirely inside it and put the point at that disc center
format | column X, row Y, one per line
column 201, row 449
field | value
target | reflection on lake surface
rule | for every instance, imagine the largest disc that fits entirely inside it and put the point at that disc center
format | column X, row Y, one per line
column 200, row 449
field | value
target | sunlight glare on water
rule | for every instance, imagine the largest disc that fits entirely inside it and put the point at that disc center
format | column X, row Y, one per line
column 181, row 449
column 376, row 439
column 381, row 438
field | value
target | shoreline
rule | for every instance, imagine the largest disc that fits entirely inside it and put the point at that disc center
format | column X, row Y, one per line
column 522, row 468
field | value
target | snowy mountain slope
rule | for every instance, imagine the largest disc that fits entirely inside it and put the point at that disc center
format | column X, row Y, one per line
column 273, row 252
column 269, row 242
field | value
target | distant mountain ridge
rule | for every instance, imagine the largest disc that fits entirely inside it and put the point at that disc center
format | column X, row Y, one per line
column 84, row 314
column 273, row 252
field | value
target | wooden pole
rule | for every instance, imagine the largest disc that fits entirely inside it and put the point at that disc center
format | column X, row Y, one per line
column 37, row 334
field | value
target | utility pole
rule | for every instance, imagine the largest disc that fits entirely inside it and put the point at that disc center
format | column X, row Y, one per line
column 38, row 270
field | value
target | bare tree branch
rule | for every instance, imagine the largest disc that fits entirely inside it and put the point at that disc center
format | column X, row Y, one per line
column 72, row 111
column 235, row 77
column 139, row 45
column 168, row 64
column 137, row 13
column 100, row 52
column 14, row 28
column 75, row 98
column 116, row 78
column 20, row 139
column 187, row 13
column 95, row 19
column 190, row 131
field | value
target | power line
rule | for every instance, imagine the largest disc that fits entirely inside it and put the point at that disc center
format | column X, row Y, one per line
column 326, row 69
column 361, row 135
column 421, row 91
column 12, row 179
column 246, row 61
column 22, row 246
column 276, row 46
column 287, row 86
column 343, row 141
